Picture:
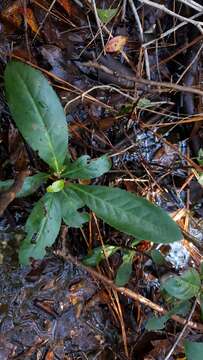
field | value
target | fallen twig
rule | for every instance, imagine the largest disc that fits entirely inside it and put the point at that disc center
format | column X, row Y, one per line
column 163, row 8
column 182, row 332
column 129, row 293
column 193, row 4
column 8, row 196
column 137, row 19
column 157, row 84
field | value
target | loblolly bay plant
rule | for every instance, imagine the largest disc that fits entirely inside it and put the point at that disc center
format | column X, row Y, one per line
column 39, row 116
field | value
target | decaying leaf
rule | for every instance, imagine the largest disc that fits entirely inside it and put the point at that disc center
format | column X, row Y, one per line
column 29, row 18
column 15, row 13
column 68, row 6
column 116, row 44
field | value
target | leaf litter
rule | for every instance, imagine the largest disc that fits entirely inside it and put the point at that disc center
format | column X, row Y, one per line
column 154, row 149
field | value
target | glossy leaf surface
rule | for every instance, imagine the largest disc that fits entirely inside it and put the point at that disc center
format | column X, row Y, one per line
column 157, row 257
column 125, row 269
column 42, row 228
column 85, row 168
column 185, row 286
column 129, row 213
column 158, row 323
column 193, row 350
column 37, row 112
column 70, row 203
column 56, row 186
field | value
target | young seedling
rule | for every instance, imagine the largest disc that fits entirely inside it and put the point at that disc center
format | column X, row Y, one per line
column 40, row 118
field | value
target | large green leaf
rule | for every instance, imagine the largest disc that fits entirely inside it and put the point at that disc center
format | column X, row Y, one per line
column 193, row 350
column 125, row 269
column 185, row 286
column 30, row 185
column 37, row 112
column 70, row 203
column 85, row 168
column 129, row 213
column 42, row 228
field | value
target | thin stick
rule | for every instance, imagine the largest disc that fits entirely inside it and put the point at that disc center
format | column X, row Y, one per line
column 158, row 84
column 98, row 23
column 168, row 85
column 43, row 21
column 107, row 87
column 124, row 10
column 169, row 12
column 190, row 65
column 182, row 332
column 137, row 19
column 193, row 4
column 172, row 30
column 8, row 196
column 129, row 293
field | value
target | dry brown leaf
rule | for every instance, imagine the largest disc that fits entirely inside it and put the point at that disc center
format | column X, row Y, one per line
column 116, row 44
column 14, row 13
column 68, row 6
column 30, row 18
column 49, row 355
column 10, row 14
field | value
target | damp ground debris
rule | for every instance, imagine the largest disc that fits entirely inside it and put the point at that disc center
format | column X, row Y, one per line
column 129, row 75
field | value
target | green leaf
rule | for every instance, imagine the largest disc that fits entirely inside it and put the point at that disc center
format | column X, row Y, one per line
column 42, row 228
column 201, row 305
column 157, row 323
column 193, row 350
column 98, row 254
column 56, row 186
column 182, row 308
column 30, row 185
column 6, row 184
column 200, row 157
column 37, row 112
column 125, row 269
column 128, row 213
column 70, row 203
column 201, row 270
column 157, row 257
column 200, row 179
column 185, row 286
column 144, row 103
column 106, row 15
column 135, row 242
column 84, row 168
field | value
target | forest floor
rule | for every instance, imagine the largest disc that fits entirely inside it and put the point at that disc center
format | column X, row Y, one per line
column 130, row 80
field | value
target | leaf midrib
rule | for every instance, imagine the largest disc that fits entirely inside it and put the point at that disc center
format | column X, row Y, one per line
column 40, row 117
column 108, row 203
column 191, row 285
